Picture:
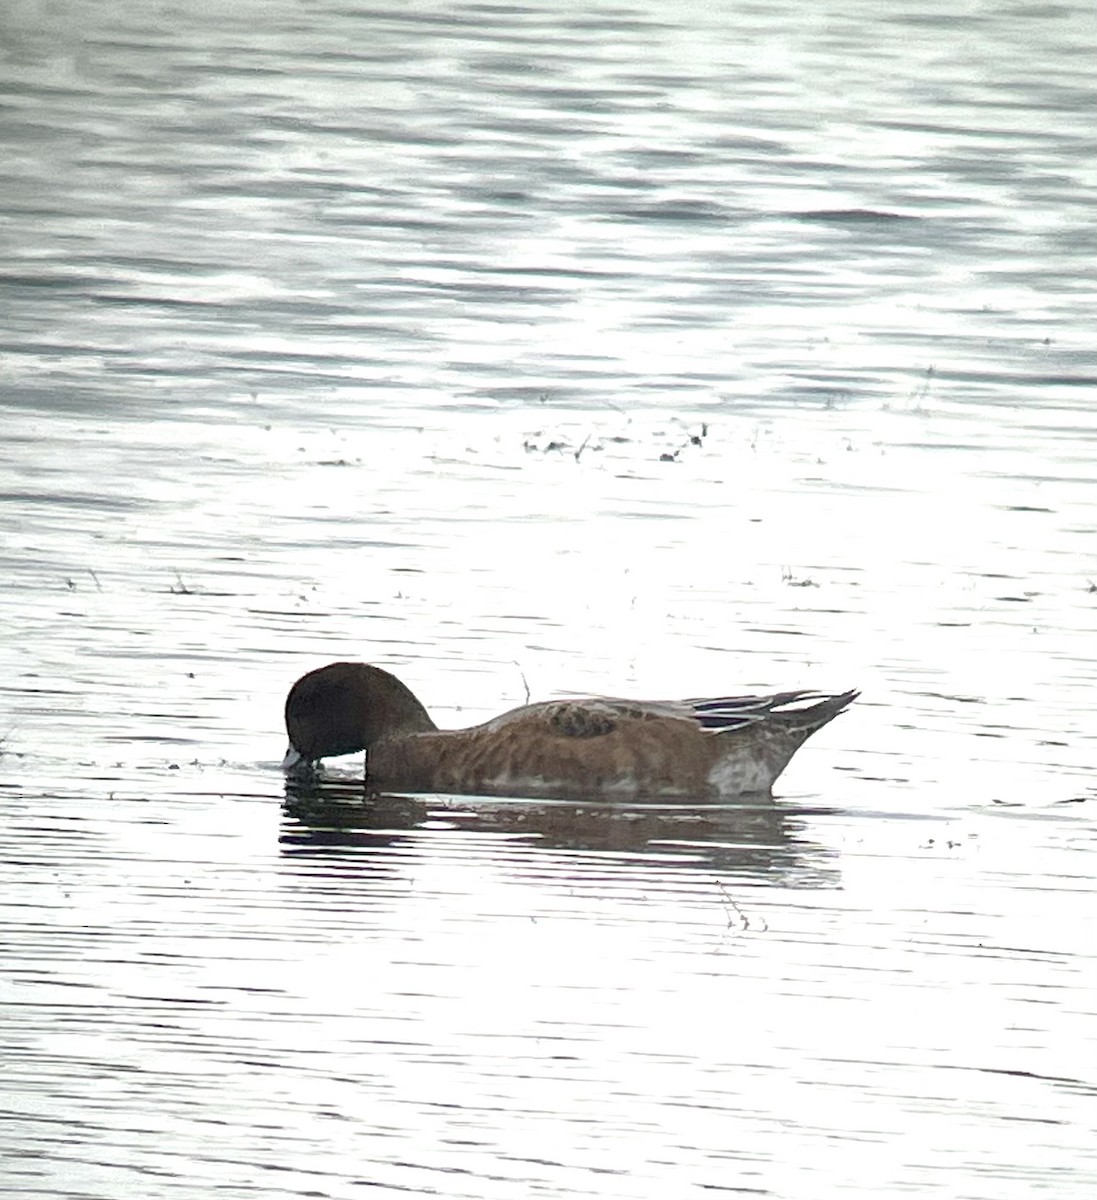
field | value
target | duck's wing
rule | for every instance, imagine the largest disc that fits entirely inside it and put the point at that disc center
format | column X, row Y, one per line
column 589, row 716
column 599, row 716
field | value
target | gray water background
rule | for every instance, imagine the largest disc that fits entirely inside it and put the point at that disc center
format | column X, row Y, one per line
column 653, row 349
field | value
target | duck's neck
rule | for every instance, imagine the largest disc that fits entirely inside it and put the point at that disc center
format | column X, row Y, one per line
column 391, row 707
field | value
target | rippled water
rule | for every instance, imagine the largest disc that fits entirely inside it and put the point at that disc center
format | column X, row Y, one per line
column 617, row 347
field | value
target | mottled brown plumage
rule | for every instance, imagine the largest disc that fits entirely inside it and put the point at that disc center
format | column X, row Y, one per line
column 566, row 749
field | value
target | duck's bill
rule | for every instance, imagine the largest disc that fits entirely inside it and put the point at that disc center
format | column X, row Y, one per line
column 294, row 762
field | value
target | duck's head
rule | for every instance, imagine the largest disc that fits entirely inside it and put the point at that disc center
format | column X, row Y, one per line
column 346, row 707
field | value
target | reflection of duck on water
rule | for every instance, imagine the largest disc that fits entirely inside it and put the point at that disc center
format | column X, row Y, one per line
column 761, row 840
column 590, row 748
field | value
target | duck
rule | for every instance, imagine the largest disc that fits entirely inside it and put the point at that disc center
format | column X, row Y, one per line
column 592, row 747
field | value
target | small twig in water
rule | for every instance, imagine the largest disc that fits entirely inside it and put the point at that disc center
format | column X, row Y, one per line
column 525, row 684
column 739, row 921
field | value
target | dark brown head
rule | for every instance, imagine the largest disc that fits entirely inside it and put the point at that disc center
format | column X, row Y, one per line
column 346, row 707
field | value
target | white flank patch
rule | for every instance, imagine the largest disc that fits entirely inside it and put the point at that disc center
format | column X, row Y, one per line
column 735, row 775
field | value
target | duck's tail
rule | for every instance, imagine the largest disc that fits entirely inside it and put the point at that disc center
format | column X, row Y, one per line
column 798, row 714
column 762, row 733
